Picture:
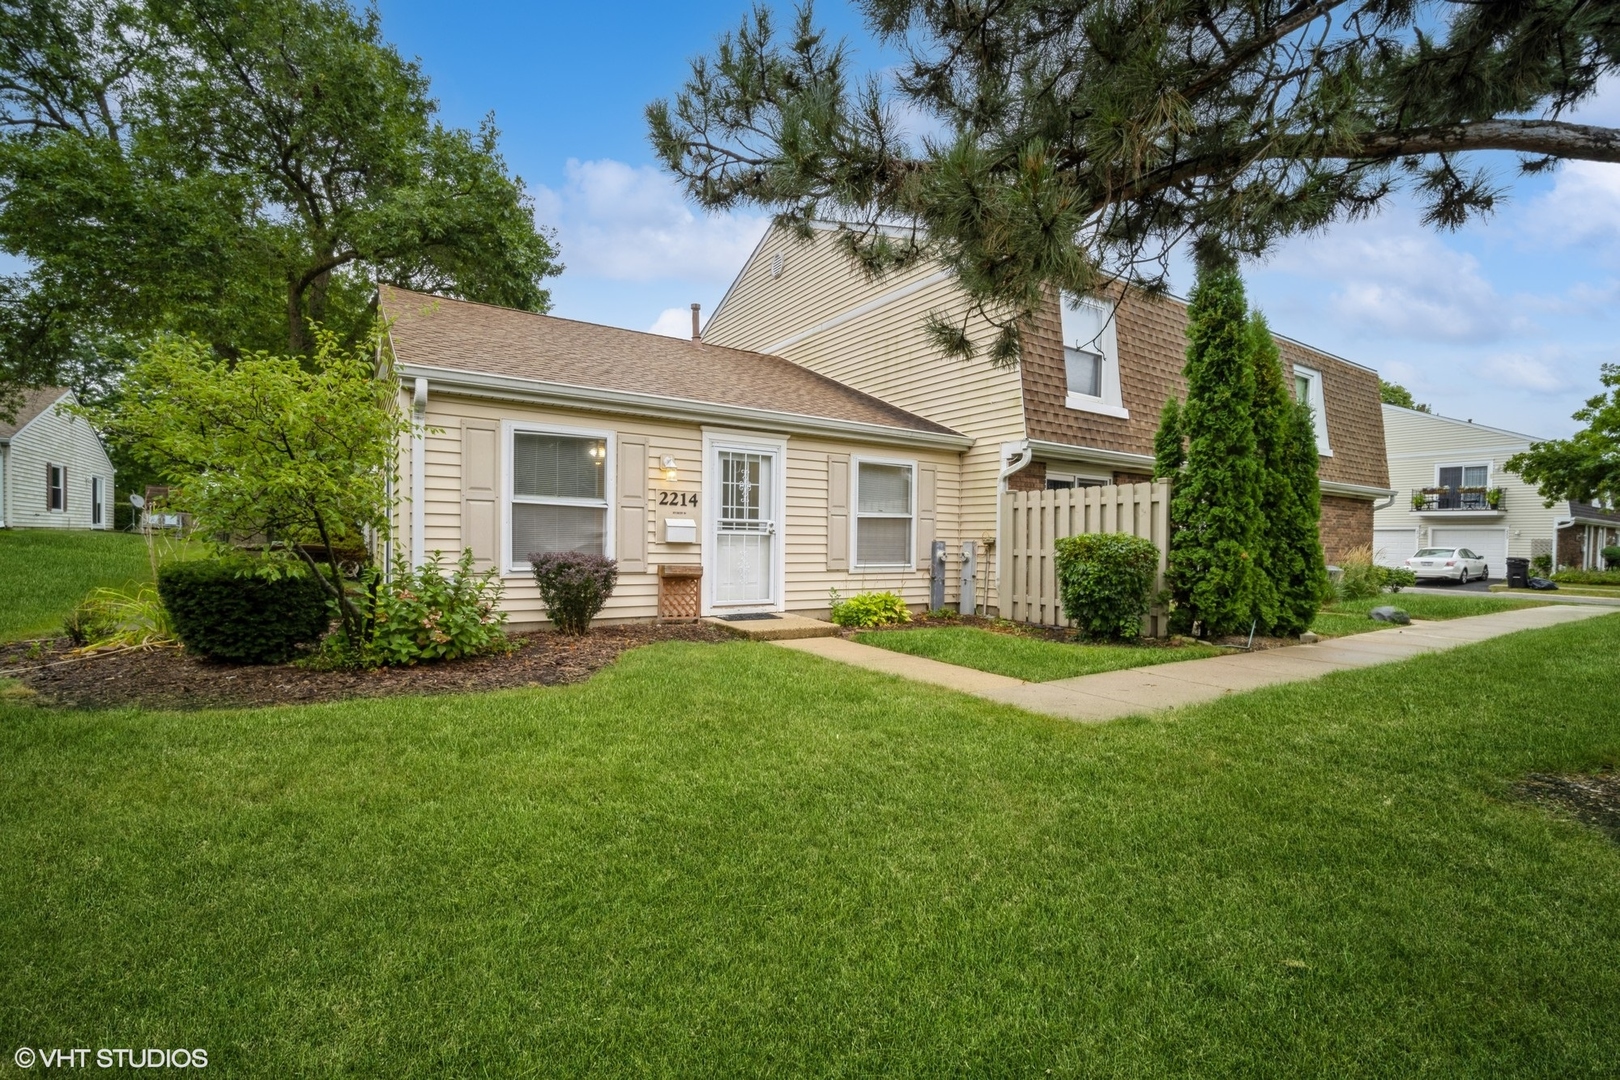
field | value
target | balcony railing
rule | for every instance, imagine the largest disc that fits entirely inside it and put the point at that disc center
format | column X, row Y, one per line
column 1436, row 498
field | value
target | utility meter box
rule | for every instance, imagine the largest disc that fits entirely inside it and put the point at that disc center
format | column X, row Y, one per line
column 680, row 531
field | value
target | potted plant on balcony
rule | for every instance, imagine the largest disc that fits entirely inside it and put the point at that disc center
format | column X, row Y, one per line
column 1493, row 498
column 1419, row 500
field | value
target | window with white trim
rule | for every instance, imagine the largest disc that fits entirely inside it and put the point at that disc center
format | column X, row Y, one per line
column 884, row 508
column 1308, row 391
column 96, row 500
column 1091, row 357
column 55, row 488
column 559, row 494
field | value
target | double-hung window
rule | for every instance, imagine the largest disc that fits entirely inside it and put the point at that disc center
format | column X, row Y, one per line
column 96, row 501
column 55, row 487
column 559, row 498
column 884, row 504
column 1308, row 391
column 1090, row 357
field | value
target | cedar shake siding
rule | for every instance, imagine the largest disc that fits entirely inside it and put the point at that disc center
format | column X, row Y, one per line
column 1152, row 335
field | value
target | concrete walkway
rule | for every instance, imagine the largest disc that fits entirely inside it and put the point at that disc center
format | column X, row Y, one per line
column 1113, row 694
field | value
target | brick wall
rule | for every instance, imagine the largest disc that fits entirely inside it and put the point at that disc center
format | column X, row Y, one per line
column 1031, row 477
column 1569, row 545
column 1132, row 478
column 1346, row 524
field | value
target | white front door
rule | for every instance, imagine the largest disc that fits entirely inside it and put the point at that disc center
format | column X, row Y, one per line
column 744, row 536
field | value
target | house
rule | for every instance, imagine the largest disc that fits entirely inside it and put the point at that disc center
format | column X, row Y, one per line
column 54, row 472
column 1455, row 491
column 722, row 481
column 1081, row 407
column 812, row 440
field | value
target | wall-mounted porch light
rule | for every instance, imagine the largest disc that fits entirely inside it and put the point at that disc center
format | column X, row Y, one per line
column 671, row 473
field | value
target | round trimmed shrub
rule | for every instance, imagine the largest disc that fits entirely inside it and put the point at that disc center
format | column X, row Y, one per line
column 1106, row 583
column 574, row 587
column 223, row 611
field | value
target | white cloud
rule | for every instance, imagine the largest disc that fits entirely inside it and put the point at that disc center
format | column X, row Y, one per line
column 673, row 322
column 1524, row 372
column 1582, row 207
column 630, row 223
column 1396, row 279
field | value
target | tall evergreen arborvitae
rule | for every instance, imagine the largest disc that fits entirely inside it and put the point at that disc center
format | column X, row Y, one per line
column 1301, row 593
column 1283, row 563
column 1168, row 452
column 1217, row 500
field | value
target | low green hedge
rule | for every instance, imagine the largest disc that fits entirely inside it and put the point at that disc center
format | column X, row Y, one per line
column 1588, row 577
column 228, row 609
column 1106, row 583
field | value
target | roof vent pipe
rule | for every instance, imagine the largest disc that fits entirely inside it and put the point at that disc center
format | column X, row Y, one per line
column 697, row 335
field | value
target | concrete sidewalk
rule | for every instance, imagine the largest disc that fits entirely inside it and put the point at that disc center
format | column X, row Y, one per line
column 1113, row 694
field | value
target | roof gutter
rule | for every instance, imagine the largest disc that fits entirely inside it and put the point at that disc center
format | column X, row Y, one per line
column 1139, row 461
column 629, row 403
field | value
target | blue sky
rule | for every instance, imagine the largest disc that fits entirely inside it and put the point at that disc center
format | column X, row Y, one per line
column 1505, row 323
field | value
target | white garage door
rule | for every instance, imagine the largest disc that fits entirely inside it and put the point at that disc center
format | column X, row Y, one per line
column 1392, row 547
column 1488, row 544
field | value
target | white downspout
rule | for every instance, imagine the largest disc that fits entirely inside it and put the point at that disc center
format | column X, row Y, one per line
column 1014, row 456
column 1386, row 504
column 418, row 481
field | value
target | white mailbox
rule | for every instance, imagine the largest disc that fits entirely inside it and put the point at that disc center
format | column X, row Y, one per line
column 680, row 531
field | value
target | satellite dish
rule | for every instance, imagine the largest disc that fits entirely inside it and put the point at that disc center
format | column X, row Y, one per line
column 136, row 501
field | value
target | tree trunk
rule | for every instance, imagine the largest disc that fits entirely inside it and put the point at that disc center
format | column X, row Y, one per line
column 297, row 333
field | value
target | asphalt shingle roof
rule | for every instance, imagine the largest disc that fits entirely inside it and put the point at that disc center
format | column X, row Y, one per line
column 433, row 331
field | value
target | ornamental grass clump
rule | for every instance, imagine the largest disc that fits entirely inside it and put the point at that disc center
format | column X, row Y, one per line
column 574, row 587
column 1105, row 581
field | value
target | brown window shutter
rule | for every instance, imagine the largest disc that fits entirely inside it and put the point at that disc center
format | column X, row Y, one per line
column 630, row 538
column 926, row 514
column 480, row 491
column 838, row 511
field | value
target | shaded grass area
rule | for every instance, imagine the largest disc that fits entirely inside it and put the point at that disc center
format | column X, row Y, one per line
column 741, row 860
column 45, row 572
column 1350, row 616
column 1021, row 656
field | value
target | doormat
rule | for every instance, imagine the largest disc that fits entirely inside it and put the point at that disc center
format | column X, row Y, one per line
column 748, row 616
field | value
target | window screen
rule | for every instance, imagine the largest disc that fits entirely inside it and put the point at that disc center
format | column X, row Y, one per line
column 1302, row 389
column 559, row 495
column 1084, row 371
column 883, row 515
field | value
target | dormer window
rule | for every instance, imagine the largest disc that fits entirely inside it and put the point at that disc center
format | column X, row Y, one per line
column 1308, row 391
column 1091, row 357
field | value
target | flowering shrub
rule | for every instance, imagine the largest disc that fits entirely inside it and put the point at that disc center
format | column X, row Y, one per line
column 574, row 587
column 426, row 614
column 869, row 609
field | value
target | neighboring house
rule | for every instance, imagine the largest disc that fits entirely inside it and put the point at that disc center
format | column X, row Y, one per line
column 677, row 458
column 54, row 472
column 1456, row 492
column 1080, row 408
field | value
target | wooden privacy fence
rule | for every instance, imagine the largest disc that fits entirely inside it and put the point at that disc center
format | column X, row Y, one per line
column 1032, row 522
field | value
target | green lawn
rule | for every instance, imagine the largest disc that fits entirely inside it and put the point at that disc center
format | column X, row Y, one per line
column 739, row 860
column 1021, row 657
column 1350, row 616
column 44, row 572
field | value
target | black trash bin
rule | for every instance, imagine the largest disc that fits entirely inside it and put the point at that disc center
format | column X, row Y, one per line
column 1518, row 573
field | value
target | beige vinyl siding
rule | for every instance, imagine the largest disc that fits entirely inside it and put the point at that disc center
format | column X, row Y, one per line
column 885, row 352
column 803, row 535
column 55, row 437
column 1418, row 443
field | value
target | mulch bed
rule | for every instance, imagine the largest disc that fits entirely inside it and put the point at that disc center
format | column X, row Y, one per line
column 169, row 679
column 1592, row 798
column 1071, row 636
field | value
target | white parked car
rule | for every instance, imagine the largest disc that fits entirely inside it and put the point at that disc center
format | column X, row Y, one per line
column 1456, row 564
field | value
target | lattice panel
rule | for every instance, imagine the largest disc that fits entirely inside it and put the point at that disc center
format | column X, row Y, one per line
column 679, row 592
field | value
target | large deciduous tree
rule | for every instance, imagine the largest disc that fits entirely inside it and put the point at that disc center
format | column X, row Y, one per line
column 238, row 172
column 1072, row 140
column 1586, row 466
